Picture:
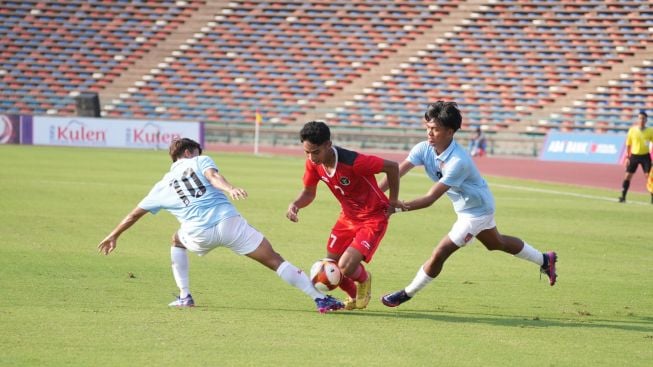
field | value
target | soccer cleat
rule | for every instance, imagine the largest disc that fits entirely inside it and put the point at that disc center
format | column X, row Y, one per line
column 183, row 302
column 550, row 269
column 364, row 292
column 350, row 303
column 327, row 304
column 395, row 299
column 622, row 199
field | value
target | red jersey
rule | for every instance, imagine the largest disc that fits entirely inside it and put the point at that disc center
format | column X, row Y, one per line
column 352, row 183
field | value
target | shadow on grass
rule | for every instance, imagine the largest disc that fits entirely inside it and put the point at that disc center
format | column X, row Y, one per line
column 640, row 324
column 634, row 323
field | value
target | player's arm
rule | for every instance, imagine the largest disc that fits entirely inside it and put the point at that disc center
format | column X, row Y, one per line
column 391, row 169
column 220, row 182
column 404, row 167
column 109, row 243
column 303, row 200
column 434, row 193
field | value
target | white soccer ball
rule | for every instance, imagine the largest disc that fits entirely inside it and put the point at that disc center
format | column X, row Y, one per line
column 326, row 275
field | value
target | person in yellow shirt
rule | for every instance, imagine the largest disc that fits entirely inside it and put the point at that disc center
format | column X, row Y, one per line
column 637, row 151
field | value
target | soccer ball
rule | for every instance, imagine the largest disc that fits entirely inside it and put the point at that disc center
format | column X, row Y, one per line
column 325, row 275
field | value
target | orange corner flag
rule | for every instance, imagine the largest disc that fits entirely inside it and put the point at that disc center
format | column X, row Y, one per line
column 259, row 118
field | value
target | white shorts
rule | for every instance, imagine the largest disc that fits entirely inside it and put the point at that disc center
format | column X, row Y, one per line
column 233, row 233
column 466, row 228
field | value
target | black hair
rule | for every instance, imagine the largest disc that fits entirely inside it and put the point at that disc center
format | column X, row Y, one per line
column 444, row 113
column 315, row 132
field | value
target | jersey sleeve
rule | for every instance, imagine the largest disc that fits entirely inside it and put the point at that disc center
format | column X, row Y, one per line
column 311, row 178
column 629, row 137
column 366, row 165
column 416, row 155
column 206, row 162
column 152, row 202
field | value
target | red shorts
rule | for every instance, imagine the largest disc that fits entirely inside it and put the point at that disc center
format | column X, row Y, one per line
column 363, row 236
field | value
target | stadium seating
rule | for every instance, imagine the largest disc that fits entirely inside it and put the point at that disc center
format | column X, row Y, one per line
column 54, row 50
column 503, row 63
column 611, row 108
column 281, row 58
column 508, row 61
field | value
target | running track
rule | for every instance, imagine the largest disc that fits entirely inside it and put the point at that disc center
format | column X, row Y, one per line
column 606, row 176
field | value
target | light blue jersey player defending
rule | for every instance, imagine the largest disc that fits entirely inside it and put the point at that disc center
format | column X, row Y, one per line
column 454, row 173
column 194, row 192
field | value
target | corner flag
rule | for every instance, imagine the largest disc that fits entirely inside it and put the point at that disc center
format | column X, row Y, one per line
column 258, row 121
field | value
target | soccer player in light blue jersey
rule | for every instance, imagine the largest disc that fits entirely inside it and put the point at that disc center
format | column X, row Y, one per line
column 454, row 173
column 194, row 192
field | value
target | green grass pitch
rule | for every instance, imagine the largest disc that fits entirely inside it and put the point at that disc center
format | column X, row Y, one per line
column 63, row 304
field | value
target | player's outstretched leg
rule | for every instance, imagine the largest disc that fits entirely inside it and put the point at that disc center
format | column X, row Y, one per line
column 549, row 266
column 395, row 299
column 292, row 275
column 298, row 279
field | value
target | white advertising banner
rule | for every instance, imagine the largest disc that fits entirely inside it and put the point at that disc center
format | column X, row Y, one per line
column 112, row 133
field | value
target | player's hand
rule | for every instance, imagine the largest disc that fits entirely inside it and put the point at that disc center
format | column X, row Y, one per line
column 292, row 213
column 107, row 245
column 396, row 207
column 237, row 193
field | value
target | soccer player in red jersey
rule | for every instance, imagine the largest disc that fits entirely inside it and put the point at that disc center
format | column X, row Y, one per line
column 365, row 208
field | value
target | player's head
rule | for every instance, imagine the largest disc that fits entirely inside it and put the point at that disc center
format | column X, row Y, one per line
column 316, row 140
column 442, row 120
column 444, row 114
column 316, row 132
column 179, row 146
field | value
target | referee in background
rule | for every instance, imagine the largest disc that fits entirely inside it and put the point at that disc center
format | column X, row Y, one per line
column 637, row 152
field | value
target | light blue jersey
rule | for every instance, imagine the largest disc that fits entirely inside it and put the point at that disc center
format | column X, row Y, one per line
column 468, row 191
column 189, row 196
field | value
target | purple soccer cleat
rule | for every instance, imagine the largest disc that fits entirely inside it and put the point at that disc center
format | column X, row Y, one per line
column 395, row 299
column 549, row 267
column 328, row 304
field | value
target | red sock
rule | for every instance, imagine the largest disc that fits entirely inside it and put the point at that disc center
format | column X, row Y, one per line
column 348, row 285
column 360, row 275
